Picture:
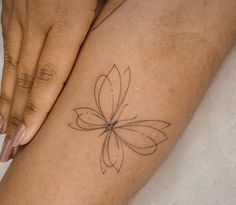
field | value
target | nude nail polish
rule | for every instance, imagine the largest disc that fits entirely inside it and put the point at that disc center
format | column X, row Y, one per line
column 18, row 135
column 7, row 150
column 10, row 143
column 1, row 124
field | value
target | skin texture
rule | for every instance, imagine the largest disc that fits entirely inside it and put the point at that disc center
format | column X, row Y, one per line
column 172, row 60
column 41, row 41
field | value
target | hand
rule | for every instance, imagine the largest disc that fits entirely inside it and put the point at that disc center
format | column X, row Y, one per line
column 41, row 41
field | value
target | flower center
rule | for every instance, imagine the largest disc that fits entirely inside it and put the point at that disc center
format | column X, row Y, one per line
column 110, row 126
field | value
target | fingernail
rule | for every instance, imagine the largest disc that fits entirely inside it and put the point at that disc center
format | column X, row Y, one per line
column 1, row 124
column 12, row 142
column 18, row 135
column 7, row 150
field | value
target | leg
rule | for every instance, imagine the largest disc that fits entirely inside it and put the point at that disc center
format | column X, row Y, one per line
column 172, row 60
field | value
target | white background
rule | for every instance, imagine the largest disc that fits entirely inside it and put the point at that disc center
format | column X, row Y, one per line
column 201, row 170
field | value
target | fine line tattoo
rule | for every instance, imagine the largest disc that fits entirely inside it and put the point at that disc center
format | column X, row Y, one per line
column 140, row 136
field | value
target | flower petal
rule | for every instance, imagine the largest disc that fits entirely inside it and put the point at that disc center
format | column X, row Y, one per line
column 112, row 154
column 88, row 119
column 142, row 138
column 155, row 124
column 110, row 91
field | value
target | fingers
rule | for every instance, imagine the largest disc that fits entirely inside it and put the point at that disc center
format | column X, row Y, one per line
column 12, row 47
column 39, row 75
column 32, row 46
column 54, row 66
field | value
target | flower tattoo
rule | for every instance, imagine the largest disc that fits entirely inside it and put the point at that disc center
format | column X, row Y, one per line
column 140, row 136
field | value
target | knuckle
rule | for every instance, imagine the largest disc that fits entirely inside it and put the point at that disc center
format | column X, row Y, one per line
column 14, row 120
column 10, row 64
column 46, row 74
column 5, row 100
column 31, row 108
column 34, row 109
column 24, row 83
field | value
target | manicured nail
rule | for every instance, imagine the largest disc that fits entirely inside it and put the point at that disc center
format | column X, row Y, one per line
column 10, row 143
column 7, row 150
column 1, row 124
column 18, row 135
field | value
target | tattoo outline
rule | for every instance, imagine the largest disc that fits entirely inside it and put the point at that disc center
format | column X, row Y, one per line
column 140, row 136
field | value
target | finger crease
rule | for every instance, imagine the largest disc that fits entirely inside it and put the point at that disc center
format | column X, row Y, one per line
column 31, row 108
column 9, row 62
column 5, row 100
column 15, row 121
column 25, row 83
column 46, row 75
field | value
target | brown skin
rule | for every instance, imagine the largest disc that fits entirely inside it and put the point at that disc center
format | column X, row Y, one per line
column 41, row 41
column 173, row 50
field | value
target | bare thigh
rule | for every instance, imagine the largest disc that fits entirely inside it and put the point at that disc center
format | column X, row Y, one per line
column 152, row 62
